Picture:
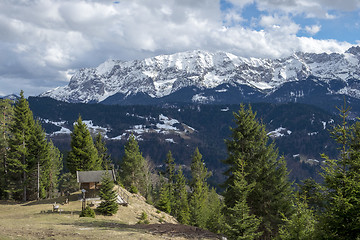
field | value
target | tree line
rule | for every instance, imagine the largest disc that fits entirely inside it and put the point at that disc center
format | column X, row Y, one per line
column 259, row 201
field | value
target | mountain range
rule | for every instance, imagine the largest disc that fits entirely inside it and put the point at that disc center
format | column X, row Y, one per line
column 218, row 78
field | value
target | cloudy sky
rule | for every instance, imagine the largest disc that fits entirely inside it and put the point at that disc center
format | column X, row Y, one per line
column 42, row 42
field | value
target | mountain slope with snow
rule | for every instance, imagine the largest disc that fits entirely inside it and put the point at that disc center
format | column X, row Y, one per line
column 219, row 72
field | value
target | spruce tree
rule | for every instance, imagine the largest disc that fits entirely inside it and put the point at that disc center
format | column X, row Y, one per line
column 104, row 157
column 164, row 203
column 51, row 171
column 109, row 205
column 181, row 205
column 83, row 155
column 170, row 175
column 240, row 222
column 134, row 169
column 19, row 160
column 341, row 215
column 199, row 191
column 6, row 115
column 215, row 222
column 39, row 154
column 264, row 170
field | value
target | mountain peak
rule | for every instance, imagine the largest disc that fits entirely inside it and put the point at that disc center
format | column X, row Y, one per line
column 162, row 75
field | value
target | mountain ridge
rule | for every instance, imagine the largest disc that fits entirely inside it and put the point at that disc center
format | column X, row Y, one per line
column 164, row 75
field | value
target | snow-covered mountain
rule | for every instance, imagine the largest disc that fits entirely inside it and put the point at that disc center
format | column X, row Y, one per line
column 200, row 76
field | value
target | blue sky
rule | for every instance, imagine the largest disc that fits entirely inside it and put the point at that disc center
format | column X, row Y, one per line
column 42, row 42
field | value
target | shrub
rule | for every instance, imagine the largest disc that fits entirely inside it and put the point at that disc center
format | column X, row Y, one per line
column 133, row 189
column 87, row 212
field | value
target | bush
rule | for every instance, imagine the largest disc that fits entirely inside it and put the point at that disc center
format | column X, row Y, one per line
column 133, row 189
column 87, row 212
column 143, row 218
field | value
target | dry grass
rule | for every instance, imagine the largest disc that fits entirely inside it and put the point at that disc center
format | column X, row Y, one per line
column 35, row 220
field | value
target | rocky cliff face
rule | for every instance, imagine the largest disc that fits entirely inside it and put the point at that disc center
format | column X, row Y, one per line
column 200, row 76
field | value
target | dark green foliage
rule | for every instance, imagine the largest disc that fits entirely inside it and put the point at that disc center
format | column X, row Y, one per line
column 181, row 206
column 199, row 191
column 341, row 215
column 215, row 222
column 87, row 212
column 133, row 189
column 164, row 203
column 6, row 115
column 134, row 169
column 264, row 171
column 68, row 183
column 170, row 175
column 300, row 225
column 108, row 195
column 240, row 222
column 83, row 155
column 19, row 162
column 104, row 158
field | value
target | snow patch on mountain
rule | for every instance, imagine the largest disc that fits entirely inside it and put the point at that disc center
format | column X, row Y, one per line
column 279, row 132
column 165, row 74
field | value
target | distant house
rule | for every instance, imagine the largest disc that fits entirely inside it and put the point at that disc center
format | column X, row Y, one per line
column 91, row 181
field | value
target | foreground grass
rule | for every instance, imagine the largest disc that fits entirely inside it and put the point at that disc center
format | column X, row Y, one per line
column 35, row 220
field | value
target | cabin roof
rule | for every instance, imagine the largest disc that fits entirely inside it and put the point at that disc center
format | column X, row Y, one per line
column 93, row 176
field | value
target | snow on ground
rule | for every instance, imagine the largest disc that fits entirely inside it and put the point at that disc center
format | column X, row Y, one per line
column 170, row 140
column 61, row 131
column 279, row 132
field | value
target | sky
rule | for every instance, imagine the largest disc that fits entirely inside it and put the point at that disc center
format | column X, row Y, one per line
column 43, row 42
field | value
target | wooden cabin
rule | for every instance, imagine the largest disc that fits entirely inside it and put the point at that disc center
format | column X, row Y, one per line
column 91, row 181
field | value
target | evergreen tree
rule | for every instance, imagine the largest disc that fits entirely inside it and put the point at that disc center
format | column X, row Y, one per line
column 300, row 225
column 134, row 169
column 170, row 175
column 6, row 115
column 104, row 157
column 19, row 161
column 215, row 222
column 39, row 154
column 83, row 155
column 181, row 206
column 240, row 223
column 164, row 203
column 341, row 217
column 51, row 170
column 265, row 171
column 199, row 191
column 109, row 205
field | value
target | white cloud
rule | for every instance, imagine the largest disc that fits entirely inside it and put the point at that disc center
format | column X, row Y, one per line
column 312, row 30
column 42, row 41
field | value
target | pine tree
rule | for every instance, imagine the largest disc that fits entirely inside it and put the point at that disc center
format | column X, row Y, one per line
column 134, row 170
column 170, row 175
column 341, row 216
column 181, row 206
column 265, row 171
column 109, row 205
column 240, row 223
column 199, row 191
column 6, row 115
column 19, row 161
column 104, row 157
column 83, row 155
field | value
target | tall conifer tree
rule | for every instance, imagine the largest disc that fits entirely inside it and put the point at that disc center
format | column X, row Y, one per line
column 19, row 161
column 83, row 155
column 181, row 207
column 104, row 157
column 264, row 170
column 199, row 191
column 134, row 169
column 341, row 216
column 6, row 115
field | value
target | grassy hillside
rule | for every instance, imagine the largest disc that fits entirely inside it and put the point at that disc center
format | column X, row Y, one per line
column 36, row 220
